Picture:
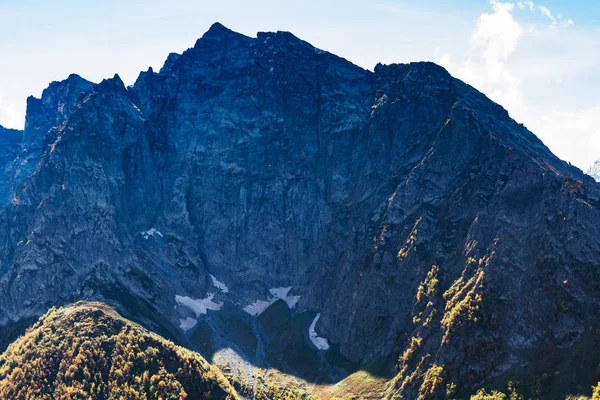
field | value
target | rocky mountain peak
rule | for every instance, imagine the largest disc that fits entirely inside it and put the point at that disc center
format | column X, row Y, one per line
column 113, row 84
column 170, row 62
column 594, row 171
column 218, row 30
column 54, row 106
column 219, row 34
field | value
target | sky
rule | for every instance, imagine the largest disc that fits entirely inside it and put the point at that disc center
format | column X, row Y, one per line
column 538, row 59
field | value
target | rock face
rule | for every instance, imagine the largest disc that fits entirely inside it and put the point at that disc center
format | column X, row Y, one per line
column 10, row 148
column 395, row 204
column 20, row 151
column 57, row 103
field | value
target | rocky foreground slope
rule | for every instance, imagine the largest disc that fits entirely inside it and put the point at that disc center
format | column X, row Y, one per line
column 394, row 221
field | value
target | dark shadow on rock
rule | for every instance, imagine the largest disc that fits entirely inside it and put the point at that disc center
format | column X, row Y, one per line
column 276, row 339
column 9, row 333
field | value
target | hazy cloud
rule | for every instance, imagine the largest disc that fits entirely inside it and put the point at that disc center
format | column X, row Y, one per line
column 545, row 11
column 497, row 35
column 526, row 3
column 572, row 135
column 548, row 14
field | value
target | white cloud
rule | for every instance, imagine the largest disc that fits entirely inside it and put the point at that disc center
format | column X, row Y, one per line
column 556, row 20
column 548, row 14
column 10, row 115
column 445, row 60
column 526, row 3
column 571, row 135
column 497, row 35
column 568, row 22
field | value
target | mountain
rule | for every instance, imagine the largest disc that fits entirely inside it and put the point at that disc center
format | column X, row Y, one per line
column 273, row 206
column 594, row 171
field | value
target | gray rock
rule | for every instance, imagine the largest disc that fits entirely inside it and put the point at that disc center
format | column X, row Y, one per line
column 10, row 148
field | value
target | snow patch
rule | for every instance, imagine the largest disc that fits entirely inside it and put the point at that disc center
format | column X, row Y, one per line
column 281, row 293
column 136, row 108
column 257, row 308
column 219, row 285
column 151, row 232
column 199, row 306
column 187, row 324
column 319, row 342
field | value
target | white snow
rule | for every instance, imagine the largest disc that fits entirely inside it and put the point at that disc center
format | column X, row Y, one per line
column 258, row 307
column 136, row 108
column 151, row 232
column 219, row 285
column 281, row 293
column 187, row 324
column 199, row 306
column 594, row 171
column 319, row 342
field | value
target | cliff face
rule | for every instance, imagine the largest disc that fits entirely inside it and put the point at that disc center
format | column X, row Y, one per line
column 53, row 108
column 10, row 148
column 20, row 151
column 393, row 205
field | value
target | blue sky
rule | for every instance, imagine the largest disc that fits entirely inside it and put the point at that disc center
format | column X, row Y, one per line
column 539, row 59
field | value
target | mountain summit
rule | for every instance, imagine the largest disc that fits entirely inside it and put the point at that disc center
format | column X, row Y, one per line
column 274, row 206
